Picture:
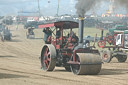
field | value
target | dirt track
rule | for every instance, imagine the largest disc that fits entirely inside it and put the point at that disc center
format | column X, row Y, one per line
column 20, row 65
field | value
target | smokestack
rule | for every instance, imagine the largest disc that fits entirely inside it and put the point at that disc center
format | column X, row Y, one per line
column 82, row 6
column 81, row 29
column 81, row 32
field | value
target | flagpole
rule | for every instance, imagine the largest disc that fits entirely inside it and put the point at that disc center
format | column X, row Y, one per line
column 58, row 7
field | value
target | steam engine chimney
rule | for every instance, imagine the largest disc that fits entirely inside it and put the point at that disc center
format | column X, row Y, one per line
column 81, row 32
column 81, row 29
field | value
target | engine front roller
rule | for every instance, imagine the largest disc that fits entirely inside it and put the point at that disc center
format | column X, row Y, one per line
column 86, row 63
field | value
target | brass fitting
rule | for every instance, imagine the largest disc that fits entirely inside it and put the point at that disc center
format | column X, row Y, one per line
column 81, row 18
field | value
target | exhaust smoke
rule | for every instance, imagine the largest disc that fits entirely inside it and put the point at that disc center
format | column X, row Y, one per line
column 122, row 3
column 82, row 6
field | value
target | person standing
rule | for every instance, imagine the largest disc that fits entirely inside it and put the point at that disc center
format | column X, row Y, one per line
column 47, row 34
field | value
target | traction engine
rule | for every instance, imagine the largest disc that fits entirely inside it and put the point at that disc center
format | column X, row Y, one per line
column 70, row 51
column 116, row 44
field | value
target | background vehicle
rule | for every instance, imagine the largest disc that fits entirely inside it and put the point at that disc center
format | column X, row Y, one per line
column 30, row 34
column 5, row 34
column 117, row 44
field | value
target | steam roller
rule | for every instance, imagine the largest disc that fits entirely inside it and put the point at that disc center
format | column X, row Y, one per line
column 85, row 60
column 86, row 63
column 71, row 52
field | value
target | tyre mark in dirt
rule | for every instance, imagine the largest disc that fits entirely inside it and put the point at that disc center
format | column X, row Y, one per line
column 110, row 78
column 22, row 62
column 46, row 76
column 70, row 80
column 23, row 50
column 17, row 51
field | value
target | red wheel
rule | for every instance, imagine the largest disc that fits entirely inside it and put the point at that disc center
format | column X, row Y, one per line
column 101, row 44
column 50, row 39
column 48, row 57
column 105, row 56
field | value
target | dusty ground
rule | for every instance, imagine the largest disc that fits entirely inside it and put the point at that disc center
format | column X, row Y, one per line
column 20, row 65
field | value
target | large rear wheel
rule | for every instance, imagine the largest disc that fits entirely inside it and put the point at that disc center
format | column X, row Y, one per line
column 86, row 63
column 48, row 58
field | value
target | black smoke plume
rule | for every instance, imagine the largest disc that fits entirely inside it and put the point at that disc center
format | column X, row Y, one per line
column 82, row 6
column 123, row 3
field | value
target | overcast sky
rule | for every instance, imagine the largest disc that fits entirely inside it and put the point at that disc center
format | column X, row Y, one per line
column 48, row 7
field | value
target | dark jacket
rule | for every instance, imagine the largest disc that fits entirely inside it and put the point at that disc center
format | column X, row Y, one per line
column 58, row 33
column 47, row 34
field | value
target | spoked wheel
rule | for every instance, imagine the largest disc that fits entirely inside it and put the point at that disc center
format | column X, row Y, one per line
column 86, row 63
column 106, row 56
column 48, row 57
column 101, row 44
column 122, row 58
